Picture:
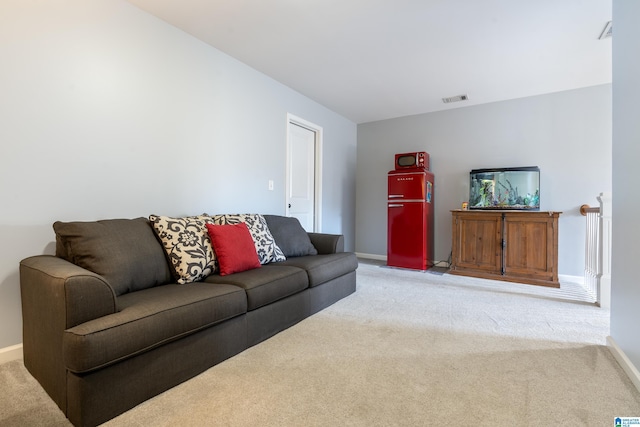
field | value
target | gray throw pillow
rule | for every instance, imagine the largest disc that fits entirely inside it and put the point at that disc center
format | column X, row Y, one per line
column 123, row 251
column 290, row 236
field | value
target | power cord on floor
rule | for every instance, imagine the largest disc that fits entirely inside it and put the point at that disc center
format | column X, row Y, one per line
column 447, row 263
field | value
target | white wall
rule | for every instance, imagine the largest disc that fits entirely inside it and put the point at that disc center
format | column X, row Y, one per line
column 625, row 282
column 566, row 134
column 109, row 112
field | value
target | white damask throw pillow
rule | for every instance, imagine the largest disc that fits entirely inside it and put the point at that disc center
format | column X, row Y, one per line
column 187, row 244
column 266, row 247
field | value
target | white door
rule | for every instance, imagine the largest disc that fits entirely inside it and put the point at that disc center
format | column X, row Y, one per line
column 303, row 173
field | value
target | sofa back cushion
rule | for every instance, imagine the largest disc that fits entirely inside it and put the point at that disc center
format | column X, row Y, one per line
column 123, row 251
column 290, row 236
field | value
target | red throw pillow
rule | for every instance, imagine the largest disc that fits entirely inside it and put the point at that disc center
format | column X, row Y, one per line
column 234, row 247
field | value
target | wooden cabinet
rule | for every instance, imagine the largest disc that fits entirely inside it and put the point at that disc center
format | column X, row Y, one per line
column 516, row 246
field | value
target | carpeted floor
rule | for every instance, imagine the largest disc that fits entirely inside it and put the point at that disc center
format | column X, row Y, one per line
column 408, row 348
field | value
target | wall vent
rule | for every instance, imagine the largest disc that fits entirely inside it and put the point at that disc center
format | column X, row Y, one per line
column 455, row 99
column 607, row 32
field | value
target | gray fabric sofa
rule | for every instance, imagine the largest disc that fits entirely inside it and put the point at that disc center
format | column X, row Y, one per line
column 100, row 342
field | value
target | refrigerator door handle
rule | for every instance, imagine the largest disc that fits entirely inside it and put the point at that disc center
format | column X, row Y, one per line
column 396, row 205
column 395, row 196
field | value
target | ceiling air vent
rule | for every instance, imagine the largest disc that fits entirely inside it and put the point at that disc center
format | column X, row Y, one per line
column 455, row 99
column 607, row 32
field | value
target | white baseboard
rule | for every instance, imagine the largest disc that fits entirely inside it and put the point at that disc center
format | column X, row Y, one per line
column 8, row 354
column 571, row 279
column 563, row 277
column 371, row 256
column 625, row 363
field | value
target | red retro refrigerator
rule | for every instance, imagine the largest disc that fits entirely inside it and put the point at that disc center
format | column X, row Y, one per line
column 410, row 219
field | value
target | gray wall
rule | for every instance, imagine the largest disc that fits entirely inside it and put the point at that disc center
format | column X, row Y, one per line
column 625, row 284
column 109, row 112
column 566, row 134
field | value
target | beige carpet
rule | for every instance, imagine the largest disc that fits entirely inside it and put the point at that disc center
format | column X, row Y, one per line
column 408, row 348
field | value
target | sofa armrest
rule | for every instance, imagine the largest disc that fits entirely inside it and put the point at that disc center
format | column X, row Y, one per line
column 57, row 295
column 327, row 243
column 53, row 287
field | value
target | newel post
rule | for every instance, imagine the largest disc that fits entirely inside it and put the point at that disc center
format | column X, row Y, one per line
column 604, row 297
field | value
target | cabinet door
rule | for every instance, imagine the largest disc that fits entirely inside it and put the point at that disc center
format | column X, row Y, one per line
column 477, row 241
column 529, row 246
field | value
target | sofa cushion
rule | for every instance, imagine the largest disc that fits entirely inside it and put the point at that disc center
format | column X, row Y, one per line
column 322, row 268
column 187, row 245
column 266, row 247
column 234, row 248
column 123, row 251
column 267, row 284
column 148, row 319
column 290, row 236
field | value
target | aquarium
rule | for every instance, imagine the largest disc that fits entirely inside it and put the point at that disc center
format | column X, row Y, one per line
column 505, row 188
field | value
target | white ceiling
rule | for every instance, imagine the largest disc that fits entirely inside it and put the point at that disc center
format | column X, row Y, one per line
column 377, row 59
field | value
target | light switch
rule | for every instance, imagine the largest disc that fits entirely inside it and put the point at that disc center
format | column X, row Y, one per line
column 270, row 185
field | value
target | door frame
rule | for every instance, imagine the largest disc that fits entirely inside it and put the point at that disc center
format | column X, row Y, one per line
column 317, row 178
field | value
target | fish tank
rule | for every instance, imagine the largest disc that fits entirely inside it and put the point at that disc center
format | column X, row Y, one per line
column 505, row 188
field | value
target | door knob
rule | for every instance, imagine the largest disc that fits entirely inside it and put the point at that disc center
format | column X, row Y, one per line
column 289, row 205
